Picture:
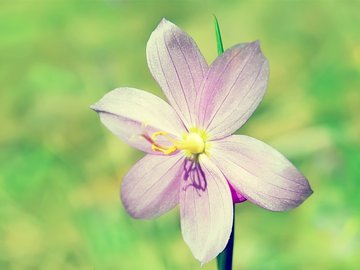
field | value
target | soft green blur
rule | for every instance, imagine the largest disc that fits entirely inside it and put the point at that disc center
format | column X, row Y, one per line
column 60, row 169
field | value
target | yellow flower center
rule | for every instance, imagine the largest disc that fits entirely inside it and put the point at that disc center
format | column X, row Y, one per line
column 192, row 143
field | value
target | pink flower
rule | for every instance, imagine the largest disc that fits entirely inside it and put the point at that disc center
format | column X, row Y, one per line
column 193, row 159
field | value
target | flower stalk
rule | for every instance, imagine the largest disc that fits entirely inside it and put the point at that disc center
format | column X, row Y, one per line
column 224, row 259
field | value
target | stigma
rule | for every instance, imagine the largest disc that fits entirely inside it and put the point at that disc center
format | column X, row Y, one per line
column 192, row 143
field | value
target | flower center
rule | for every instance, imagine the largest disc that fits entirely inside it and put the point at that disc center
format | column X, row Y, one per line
column 192, row 143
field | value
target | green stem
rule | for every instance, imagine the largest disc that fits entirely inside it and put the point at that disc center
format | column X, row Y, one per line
column 224, row 259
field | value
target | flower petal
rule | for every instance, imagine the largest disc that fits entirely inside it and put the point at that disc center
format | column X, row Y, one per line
column 178, row 66
column 233, row 88
column 206, row 212
column 151, row 187
column 259, row 172
column 132, row 113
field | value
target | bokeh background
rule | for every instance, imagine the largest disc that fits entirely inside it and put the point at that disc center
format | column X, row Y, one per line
column 60, row 169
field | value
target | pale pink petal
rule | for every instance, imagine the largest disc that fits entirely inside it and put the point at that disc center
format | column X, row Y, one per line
column 178, row 66
column 260, row 173
column 206, row 211
column 131, row 113
column 233, row 88
column 151, row 187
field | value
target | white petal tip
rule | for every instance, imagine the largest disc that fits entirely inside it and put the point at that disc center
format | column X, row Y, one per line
column 205, row 259
column 164, row 20
column 164, row 24
column 256, row 44
column 93, row 107
column 286, row 206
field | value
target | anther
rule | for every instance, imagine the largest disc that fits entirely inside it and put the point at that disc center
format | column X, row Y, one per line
column 167, row 150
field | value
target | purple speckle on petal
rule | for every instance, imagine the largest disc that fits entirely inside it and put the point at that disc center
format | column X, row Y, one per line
column 194, row 174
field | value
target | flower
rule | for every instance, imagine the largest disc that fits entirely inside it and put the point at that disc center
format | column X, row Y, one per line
column 193, row 159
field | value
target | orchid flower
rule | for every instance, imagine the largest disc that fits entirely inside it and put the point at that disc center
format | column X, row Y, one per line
column 192, row 157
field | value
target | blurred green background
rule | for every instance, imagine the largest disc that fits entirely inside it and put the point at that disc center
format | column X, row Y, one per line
column 60, row 169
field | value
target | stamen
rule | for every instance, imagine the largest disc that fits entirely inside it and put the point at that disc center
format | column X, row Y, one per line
column 164, row 149
column 192, row 143
column 167, row 150
column 164, row 134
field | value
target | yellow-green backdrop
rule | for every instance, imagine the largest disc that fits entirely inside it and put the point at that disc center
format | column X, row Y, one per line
column 60, row 169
